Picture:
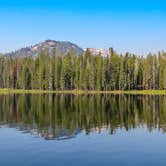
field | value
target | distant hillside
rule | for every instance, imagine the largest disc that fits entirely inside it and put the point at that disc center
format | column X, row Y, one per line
column 101, row 51
column 61, row 47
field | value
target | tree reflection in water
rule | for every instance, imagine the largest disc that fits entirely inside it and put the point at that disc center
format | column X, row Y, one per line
column 64, row 116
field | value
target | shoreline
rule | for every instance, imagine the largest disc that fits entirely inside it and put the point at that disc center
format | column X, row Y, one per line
column 79, row 92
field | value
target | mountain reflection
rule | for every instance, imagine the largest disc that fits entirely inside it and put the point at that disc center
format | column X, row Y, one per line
column 65, row 116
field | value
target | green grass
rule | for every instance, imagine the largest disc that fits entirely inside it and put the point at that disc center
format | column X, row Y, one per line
column 134, row 92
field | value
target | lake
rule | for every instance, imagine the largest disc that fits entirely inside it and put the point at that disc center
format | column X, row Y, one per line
column 79, row 130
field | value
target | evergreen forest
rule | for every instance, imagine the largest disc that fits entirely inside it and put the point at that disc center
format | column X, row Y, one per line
column 50, row 71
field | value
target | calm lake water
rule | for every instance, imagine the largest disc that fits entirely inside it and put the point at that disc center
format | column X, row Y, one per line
column 82, row 130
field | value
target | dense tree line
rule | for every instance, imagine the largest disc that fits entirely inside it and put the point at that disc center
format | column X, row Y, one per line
column 50, row 71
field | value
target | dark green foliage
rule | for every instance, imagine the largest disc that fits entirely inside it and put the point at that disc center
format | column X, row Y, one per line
column 53, row 71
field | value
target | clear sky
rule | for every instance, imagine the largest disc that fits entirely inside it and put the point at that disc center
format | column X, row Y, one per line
column 137, row 26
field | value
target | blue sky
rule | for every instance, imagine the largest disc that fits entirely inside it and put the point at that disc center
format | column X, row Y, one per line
column 137, row 26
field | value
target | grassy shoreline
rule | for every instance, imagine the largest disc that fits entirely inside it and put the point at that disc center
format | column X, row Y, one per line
column 77, row 92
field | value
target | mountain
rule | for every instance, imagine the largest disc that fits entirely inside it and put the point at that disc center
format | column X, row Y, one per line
column 101, row 51
column 61, row 47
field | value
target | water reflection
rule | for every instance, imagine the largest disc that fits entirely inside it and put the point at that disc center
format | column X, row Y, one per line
column 65, row 116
